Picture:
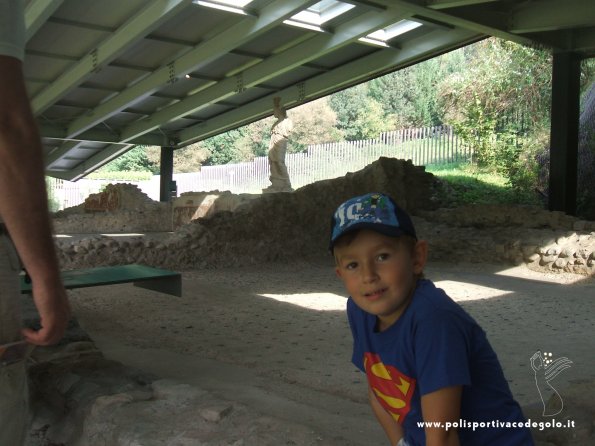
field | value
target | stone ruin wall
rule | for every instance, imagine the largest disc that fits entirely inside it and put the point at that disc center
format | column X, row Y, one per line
column 232, row 230
column 118, row 208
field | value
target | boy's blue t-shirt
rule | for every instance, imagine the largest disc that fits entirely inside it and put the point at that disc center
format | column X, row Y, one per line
column 436, row 344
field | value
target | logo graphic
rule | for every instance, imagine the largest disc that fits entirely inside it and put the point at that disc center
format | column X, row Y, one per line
column 546, row 369
column 392, row 388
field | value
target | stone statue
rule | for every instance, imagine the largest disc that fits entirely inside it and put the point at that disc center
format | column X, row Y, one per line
column 277, row 147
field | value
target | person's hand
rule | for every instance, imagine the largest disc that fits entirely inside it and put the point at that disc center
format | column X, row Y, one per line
column 54, row 313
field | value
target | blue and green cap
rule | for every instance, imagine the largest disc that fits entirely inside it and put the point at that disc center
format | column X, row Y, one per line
column 374, row 211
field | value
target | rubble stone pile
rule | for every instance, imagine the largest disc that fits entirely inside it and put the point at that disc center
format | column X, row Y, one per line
column 285, row 226
column 118, row 208
column 81, row 398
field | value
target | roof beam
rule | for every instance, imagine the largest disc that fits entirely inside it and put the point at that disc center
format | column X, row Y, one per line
column 37, row 13
column 577, row 40
column 584, row 41
column 271, row 67
column 354, row 72
column 202, row 54
column 419, row 9
column 552, row 15
column 93, row 163
column 153, row 15
column 444, row 4
column 98, row 135
column 60, row 152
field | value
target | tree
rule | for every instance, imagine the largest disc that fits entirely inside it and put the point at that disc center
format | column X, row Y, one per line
column 190, row 158
column 500, row 105
column 314, row 123
column 135, row 160
column 358, row 115
column 224, row 148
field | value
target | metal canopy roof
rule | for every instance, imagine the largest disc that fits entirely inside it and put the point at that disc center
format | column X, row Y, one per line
column 105, row 75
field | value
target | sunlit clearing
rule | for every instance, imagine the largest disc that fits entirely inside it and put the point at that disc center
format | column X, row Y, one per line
column 121, row 234
column 534, row 275
column 462, row 291
column 312, row 301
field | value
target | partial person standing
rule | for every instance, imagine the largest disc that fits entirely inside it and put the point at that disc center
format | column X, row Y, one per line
column 24, row 215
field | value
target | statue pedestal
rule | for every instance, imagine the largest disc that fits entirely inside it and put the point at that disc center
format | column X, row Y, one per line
column 274, row 189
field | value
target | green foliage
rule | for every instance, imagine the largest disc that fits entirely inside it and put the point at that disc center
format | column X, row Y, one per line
column 359, row 116
column 483, row 103
column 120, row 176
column 587, row 74
column 190, row 158
column 224, row 148
column 53, row 202
column 409, row 96
column 500, row 76
column 135, row 160
column 313, row 123
column 468, row 184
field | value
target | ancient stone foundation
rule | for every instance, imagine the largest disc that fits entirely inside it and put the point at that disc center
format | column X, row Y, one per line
column 118, row 208
column 82, row 399
column 218, row 228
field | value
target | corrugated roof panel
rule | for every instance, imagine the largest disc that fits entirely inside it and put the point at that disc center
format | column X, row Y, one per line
column 276, row 38
column 116, row 78
column 150, row 53
column 109, row 13
column 150, row 104
column 344, row 55
column 62, row 114
column 178, row 124
column 289, row 78
column 210, row 110
column 225, row 64
column 64, row 39
column 46, row 68
column 182, row 86
column 195, row 24
column 122, row 119
column 86, row 97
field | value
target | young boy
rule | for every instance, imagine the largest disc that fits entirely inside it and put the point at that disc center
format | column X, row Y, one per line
column 425, row 358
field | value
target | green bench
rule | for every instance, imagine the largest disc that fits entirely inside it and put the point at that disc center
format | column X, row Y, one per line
column 164, row 281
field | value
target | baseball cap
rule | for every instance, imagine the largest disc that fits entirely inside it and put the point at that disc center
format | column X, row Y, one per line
column 374, row 211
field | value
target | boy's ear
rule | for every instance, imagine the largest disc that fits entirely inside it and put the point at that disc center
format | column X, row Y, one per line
column 420, row 256
column 338, row 273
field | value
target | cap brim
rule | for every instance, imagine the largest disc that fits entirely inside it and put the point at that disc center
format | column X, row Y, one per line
column 389, row 230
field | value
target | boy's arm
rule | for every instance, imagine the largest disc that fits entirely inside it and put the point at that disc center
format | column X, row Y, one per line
column 393, row 430
column 443, row 406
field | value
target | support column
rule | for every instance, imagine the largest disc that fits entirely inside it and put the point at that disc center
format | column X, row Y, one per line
column 566, row 73
column 167, row 173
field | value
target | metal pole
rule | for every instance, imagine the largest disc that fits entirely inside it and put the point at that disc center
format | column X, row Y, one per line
column 566, row 72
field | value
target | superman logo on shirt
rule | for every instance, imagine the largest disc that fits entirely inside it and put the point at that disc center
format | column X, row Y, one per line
column 393, row 389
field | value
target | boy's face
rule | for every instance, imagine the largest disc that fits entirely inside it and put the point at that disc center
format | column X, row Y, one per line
column 380, row 273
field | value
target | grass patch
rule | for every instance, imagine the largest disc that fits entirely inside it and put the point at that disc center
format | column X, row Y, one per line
column 120, row 176
column 468, row 184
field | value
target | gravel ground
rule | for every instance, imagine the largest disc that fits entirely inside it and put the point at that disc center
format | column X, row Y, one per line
column 275, row 337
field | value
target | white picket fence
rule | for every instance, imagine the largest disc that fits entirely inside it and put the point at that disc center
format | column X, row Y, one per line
column 319, row 162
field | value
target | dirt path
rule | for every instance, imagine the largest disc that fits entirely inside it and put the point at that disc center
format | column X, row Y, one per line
column 276, row 337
